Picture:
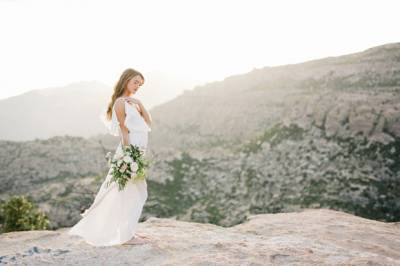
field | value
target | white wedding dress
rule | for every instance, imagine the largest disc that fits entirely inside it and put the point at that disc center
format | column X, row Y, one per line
column 113, row 217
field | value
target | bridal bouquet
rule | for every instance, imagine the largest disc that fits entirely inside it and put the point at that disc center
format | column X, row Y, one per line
column 130, row 165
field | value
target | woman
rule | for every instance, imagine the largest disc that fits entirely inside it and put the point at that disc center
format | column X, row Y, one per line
column 113, row 217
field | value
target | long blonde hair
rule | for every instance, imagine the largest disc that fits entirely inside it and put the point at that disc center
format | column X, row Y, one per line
column 120, row 87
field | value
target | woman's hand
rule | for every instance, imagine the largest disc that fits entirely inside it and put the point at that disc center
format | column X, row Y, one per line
column 136, row 101
column 142, row 110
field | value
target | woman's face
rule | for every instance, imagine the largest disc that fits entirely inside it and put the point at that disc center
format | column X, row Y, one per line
column 134, row 84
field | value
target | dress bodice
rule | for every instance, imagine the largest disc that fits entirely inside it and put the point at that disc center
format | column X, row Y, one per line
column 134, row 121
column 138, row 128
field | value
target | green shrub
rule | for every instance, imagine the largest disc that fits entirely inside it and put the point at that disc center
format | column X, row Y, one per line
column 19, row 214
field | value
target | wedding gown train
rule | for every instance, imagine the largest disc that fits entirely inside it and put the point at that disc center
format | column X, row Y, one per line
column 113, row 217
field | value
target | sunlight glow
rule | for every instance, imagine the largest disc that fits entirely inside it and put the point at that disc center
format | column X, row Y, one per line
column 54, row 42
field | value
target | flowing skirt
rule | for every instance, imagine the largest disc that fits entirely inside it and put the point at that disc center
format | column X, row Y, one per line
column 113, row 217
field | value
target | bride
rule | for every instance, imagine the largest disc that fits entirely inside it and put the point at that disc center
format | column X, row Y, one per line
column 113, row 217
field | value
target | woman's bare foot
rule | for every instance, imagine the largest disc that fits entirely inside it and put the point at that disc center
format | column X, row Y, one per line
column 136, row 240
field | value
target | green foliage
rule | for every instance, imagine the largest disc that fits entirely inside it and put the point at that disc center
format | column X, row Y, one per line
column 351, row 174
column 19, row 214
column 171, row 196
column 209, row 212
column 274, row 136
column 364, row 180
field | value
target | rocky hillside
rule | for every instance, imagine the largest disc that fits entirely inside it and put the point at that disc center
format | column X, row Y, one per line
column 324, row 133
column 345, row 96
column 310, row 237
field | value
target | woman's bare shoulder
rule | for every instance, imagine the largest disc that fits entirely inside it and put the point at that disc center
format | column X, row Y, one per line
column 119, row 103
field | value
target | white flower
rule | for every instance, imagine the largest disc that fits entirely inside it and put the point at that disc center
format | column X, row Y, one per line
column 134, row 166
column 127, row 159
column 118, row 157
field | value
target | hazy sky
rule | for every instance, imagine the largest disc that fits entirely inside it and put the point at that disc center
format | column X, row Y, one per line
column 52, row 43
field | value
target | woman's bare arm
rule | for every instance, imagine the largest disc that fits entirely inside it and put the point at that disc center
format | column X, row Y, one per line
column 120, row 112
column 146, row 115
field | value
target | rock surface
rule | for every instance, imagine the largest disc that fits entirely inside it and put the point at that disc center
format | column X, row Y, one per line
column 308, row 237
